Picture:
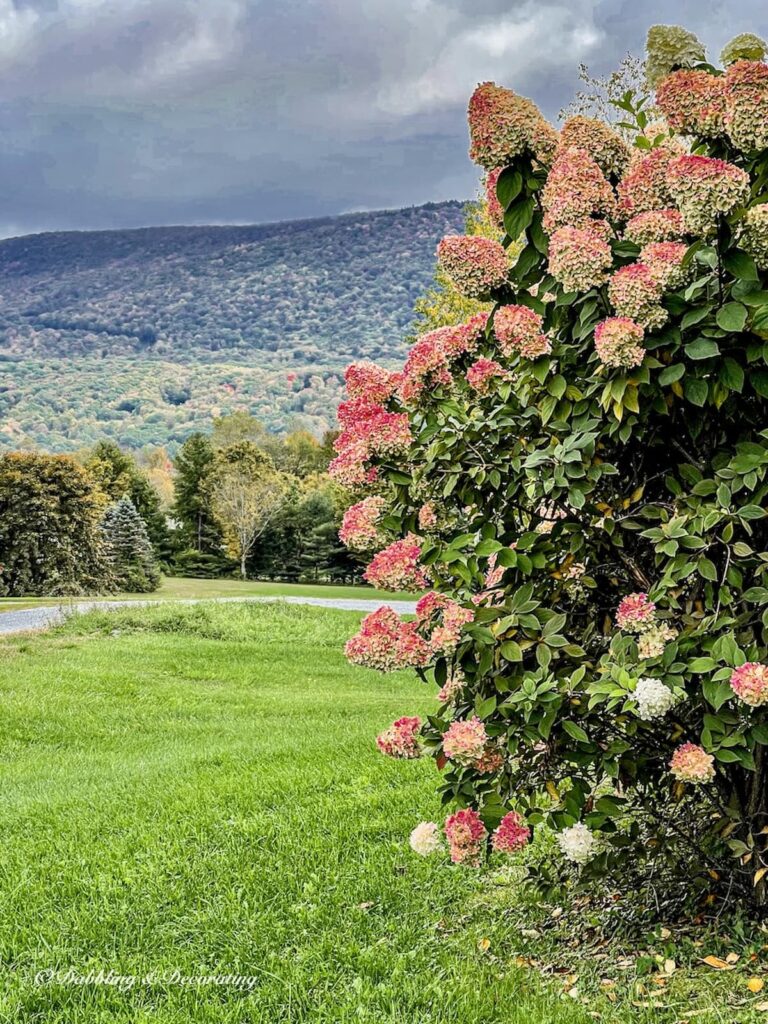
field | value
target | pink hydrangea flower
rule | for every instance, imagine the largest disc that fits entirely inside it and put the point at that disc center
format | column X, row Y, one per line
column 427, row 516
column 693, row 102
column 464, row 741
column 746, row 104
column 370, row 382
column 482, row 373
column 644, row 186
column 691, row 763
column 754, row 239
column 636, row 613
column 475, row 264
column 512, row 834
column 397, row 566
column 598, row 139
column 579, row 258
column 703, row 188
column 655, row 226
column 369, row 431
column 519, row 329
column 385, row 642
column 465, row 833
column 490, row 761
column 619, row 342
column 428, row 363
column 503, row 125
column 452, row 687
column 360, row 525
column 401, row 739
column 750, row 683
column 665, row 261
column 443, row 619
column 576, row 191
column 494, row 207
column 635, row 292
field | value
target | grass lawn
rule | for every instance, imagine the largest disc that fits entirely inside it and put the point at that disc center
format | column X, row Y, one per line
column 182, row 587
column 196, row 790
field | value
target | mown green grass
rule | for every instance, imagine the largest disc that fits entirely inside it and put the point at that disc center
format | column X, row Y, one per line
column 196, row 789
column 176, row 588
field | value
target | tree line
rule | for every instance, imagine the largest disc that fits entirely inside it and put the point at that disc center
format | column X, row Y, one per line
column 236, row 500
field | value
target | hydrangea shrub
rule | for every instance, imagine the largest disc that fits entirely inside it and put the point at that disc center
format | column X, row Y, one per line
column 579, row 478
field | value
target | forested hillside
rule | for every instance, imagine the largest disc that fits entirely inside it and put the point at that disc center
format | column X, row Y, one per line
column 144, row 335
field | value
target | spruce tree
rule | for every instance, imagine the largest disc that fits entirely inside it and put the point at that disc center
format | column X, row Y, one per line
column 129, row 549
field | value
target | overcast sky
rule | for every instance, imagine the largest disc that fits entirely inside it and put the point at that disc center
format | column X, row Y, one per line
column 119, row 113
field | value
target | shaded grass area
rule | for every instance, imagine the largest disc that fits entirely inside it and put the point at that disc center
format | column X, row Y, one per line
column 196, row 790
column 175, row 588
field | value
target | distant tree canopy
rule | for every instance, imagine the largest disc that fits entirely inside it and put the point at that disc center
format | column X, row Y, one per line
column 50, row 536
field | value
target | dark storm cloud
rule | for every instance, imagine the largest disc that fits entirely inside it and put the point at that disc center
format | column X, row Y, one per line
column 180, row 111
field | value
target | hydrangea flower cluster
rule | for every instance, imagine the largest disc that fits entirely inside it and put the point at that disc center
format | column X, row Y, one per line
column 425, row 839
column 369, row 430
column 576, row 191
column 665, row 261
column 494, row 207
column 476, row 265
column 745, row 46
column 691, row 763
column 464, row 741
column 754, row 238
column 750, row 683
column 443, row 619
column 653, row 698
column 608, row 149
column 669, row 47
column 704, row 187
column 519, row 329
column 401, row 739
column 577, row 843
column 619, row 342
column 579, row 258
column 503, row 125
column 452, row 687
column 465, row 833
column 483, row 373
column 644, row 187
column 652, row 643
column 693, row 102
column 397, row 566
column 427, row 516
column 655, row 226
column 746, row 104
column 428, row 363
column 512, row 834
column 635, row 292
column 385, row 642
column 370, row 382
column 636, row 613
column 360, row 526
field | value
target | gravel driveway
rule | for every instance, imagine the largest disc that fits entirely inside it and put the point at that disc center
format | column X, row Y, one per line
column 28, row 619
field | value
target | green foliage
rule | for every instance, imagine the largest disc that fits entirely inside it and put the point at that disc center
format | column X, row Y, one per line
column 149, row 334
column 133, row 563
column 50, row 540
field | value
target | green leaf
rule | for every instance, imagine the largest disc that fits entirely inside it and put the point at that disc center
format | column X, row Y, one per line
column 518, row 217
column 702, row 348
column 741, row 265
column 508, row 186
column 716, row 692
column 695, row 316
column 484, row 708
column 575, row 731
column 731, row 317
column 702, row 665
column 696, row 390
column 511, row 651
column 672, row 373
column 751, row 512
column 732, row 374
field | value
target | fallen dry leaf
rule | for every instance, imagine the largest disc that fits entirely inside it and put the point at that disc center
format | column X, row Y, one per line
column 664, row 933
column 717, row 963
column 732, row 958
column 755, row 984
column 763, row 1007
column 670, row 966
column 483, row 945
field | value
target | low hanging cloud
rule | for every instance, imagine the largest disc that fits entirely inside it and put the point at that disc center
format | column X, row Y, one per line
column 209, row 111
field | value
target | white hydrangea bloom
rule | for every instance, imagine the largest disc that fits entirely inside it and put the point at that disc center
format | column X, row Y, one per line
column 654, row 699
column 425, row 839
column 668, row 47
column 577, row 843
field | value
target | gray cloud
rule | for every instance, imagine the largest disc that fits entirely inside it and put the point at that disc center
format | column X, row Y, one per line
column 181, row 111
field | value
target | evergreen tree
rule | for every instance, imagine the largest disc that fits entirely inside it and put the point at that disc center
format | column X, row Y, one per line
column 118, row 476
column 50, row 542
column 129, row 550
column 192, row 505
